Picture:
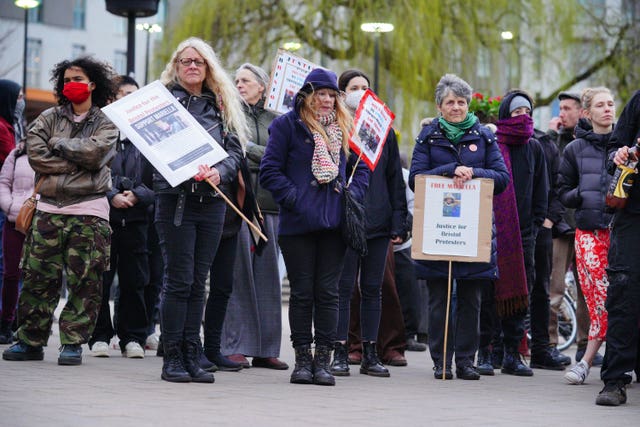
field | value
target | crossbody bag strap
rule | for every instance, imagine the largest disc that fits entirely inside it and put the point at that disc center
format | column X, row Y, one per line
column 37, row 187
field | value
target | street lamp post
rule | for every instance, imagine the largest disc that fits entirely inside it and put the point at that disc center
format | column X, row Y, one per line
column 376, row 28
column 149, row 28
column 507, row 37
column 26, row 5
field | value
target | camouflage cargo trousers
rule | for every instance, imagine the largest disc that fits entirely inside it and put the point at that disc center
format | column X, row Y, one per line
column 79, row 246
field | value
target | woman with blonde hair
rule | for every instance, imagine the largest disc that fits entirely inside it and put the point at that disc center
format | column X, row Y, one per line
column 305, row 168
column 189, row 217
column 582, row 184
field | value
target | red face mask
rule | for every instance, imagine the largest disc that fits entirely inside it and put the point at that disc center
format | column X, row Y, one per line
column 76, row 92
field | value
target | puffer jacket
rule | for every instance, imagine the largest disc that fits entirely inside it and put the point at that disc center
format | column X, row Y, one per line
column 16, row 183
column 583, row 179
column 73, row 157
column 434, row 154
column 259, row 120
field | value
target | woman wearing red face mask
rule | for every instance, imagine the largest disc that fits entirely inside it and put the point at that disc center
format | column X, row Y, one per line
column 69, row 147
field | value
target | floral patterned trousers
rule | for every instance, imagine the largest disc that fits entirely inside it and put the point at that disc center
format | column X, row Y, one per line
column 592, row 248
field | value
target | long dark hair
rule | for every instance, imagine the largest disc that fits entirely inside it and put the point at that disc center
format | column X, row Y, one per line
column 100, row 73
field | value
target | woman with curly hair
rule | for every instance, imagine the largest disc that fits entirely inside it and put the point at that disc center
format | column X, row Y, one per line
column 70, row 147
column 189, row 218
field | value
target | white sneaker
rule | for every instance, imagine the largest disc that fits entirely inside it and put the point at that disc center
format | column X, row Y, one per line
column 100, row 349
column 152, row 342
column 133, row 350
column 578, row 373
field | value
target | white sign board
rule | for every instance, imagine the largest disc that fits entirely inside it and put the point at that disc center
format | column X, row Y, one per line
column 287, row 77
column 165, row 132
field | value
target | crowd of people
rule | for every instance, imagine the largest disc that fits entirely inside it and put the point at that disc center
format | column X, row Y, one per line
column 104, row 212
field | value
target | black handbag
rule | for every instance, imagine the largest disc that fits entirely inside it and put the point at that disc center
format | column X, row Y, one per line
column 353, row 225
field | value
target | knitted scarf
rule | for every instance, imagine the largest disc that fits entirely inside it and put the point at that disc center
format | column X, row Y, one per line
column 512, row 295
column 455, row 131
column 326, row 154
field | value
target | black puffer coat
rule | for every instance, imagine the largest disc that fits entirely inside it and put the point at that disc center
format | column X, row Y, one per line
column 583, row 179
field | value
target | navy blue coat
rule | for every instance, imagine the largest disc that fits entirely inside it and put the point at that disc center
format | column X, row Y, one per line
column 583, row 179
column 285, row 170
column 434, row 154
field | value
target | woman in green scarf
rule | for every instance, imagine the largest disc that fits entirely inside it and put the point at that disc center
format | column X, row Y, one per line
column 458, row 147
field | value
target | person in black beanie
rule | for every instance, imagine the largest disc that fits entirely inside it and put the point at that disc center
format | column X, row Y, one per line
column 305, row 165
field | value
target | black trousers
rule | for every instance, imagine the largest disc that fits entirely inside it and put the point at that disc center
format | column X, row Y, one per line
column 464, row 323
column 129, row 260
column 623, row 299
column 154, row 286
column 408, row 291
column 220, row 288
column 314, row 263
column 371, row 270
column 539, row 294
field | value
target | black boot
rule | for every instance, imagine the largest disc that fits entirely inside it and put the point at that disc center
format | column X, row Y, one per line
column 191, row 356
column 485, row 364
column 438, row 371
column 6, row 335
column 302, row 372
column 340, row 364
column 512, row 364
column 370, row 363
column 321, row 362
column 173, row 364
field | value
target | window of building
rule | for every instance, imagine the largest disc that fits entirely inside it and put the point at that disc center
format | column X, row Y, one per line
column 77, row 50
column 34, row 62
column 35, row 14
column 120, row 62
column 79, row 12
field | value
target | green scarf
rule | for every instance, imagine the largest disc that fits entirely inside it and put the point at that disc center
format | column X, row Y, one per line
column 454, row 131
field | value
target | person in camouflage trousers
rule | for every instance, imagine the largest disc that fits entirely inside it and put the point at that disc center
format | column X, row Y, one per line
column 70, row 148
column 85, row 261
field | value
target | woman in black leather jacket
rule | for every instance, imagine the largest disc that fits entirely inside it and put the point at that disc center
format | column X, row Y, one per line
column 189, row 218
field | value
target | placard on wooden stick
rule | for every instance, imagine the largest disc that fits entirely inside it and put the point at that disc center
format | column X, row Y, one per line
column 452, row 224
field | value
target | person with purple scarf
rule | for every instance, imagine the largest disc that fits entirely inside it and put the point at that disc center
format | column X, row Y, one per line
column 519, row 213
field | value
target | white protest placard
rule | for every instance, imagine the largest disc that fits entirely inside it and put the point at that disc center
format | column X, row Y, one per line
column 371, row 126
column 165, row 132
column 287, row 77
column 452, row 223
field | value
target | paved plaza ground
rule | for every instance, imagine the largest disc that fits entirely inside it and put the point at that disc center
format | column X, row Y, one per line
column 123, row 392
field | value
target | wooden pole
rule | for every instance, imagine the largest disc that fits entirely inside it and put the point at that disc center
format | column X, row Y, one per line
column 446, row 325
column 238, row 211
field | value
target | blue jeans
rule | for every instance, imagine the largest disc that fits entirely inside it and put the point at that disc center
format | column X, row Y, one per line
column 188, row 250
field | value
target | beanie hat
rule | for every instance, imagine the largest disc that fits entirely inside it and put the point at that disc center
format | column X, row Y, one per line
column 519, row 101
column 320, row 78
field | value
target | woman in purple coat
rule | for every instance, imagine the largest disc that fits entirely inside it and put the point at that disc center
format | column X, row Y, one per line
column 305, row 167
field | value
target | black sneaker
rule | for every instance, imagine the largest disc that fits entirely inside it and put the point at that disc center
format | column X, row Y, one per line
column 546, row 361
column 468, row 372
column 613, row 394
column 562, row 358
column 413, row 345
column 70, row 354
column 21, row 351
column 437, row 372
column 224, row 364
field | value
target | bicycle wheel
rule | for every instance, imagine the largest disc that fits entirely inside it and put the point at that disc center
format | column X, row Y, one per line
column 567, row 324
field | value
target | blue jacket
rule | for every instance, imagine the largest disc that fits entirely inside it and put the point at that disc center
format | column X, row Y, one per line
column 434, row 154
column 285, row 170
column 583, row 179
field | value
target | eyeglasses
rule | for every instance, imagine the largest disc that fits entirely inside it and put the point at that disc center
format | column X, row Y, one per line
column 188, row 61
